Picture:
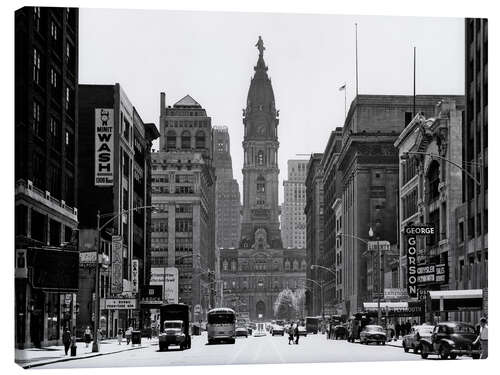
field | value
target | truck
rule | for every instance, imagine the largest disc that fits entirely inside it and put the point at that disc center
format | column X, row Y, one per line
column 174, row 320
column 312, row 324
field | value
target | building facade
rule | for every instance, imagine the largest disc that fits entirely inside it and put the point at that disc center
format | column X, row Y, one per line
column 46, row 173
column 115, row 167
column 369, row 165
column 293, row 219
column 314, row 211
column 227, row 192
column 260, row 279
column 332, row 249
column 183, row 186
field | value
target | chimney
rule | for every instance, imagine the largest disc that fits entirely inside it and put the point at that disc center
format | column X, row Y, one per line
column 162, row 104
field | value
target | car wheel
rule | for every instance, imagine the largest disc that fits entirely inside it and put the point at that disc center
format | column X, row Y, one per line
column 453, row 355
column 415, row 350
column 475, row 356
column 405, row 348
column 443, row 353
column 383, row 342
column 425, row 352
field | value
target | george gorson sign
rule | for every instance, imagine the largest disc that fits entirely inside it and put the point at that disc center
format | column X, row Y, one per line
column 411, row 233
column 104, row 141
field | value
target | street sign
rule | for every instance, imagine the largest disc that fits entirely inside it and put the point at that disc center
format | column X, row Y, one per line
column 116, row 265
column 120, row 303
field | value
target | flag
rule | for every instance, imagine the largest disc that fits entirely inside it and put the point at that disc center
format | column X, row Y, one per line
column 342, row 88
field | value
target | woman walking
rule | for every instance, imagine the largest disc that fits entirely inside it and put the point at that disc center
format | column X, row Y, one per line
column 119, row 336
column 87, row 336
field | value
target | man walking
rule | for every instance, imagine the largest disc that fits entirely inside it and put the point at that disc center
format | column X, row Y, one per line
column 290, row 334
column 483, row 338
column 296, row 331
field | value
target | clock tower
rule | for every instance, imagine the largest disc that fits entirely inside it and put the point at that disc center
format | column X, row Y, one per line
column 260, row 169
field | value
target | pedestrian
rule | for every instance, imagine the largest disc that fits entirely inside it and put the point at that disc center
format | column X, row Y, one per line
column 87, row 336
column 66, row 339
column 296, row 331
column 119, row 336
column 482, row 338
column 128, row 334
column 398, row 330
column 408, row 327
column 290, row 334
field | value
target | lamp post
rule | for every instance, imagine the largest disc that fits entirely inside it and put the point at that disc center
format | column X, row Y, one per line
column 313, row 266
column 97, row 318
column 380, row 270
column 321, row 291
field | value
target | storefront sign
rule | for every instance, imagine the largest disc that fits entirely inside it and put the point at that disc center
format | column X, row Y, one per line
column 168, row 277
column 116, row 265
column 120, row 304
column 411, row 233
column 104, row 141
column 395, row 293
column 135, row 276
column 432, row 274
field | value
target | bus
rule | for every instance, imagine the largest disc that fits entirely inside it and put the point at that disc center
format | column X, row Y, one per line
column 221, row 325
column 312, row 324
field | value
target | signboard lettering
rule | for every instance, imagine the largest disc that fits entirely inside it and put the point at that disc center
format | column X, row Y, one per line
column 120, row 304
column 168, row 277
column 411, row 233
column 116, row 265
column 135, row 276
column 104, row 142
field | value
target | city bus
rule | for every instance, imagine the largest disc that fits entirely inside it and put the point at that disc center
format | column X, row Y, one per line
column 221, row 325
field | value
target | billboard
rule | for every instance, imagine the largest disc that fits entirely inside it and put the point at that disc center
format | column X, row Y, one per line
column 168, row 277
column 53, row 269
column 104, row 143
column 116, row 265
column 432, row 274
column 120, row 303
column 395, row 293
column 135, row 276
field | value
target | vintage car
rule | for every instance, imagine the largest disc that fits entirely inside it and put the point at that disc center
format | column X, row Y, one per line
column 373, row 333
column 412, row 340
column 241, row 332
column 277, row 330
column 302, row 331
column 451, row 339
column 340, row 332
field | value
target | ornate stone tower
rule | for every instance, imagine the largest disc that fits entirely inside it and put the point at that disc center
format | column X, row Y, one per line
column 260, row 169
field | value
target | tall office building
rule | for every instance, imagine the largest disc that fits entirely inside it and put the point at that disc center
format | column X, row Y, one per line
column 183, row 185
column 227, row 192
column 46, row 173
column 115, row 169
column 293, row 219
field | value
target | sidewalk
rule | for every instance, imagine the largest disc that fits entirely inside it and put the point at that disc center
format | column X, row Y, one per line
column 34, row 357
column 397, row 343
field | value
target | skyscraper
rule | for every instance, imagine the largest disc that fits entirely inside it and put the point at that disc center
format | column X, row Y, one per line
column 293, row 218
column 227, row 193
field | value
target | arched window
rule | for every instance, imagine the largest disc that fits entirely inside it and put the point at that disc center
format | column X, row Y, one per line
column 287, row 265
column 261, row 184
column 185, row 140
column 171, row 140
column 303, row 265
column 260, row 283
column 260, row 158
column 295, row 265
column 233, row 265
column 225, row 265
column 433, row 181
column 200, row 139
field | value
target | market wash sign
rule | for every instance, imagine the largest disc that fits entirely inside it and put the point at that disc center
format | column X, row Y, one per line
column 104, row 142
column 411, row 233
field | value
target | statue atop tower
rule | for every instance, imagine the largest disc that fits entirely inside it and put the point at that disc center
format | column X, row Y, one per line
column 260, row 46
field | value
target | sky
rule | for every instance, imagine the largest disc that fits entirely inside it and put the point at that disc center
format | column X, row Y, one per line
column 211, row 55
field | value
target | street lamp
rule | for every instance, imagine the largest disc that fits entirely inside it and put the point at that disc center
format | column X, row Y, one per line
column 322, row 295
column 114, row 215
column 313, row 266
column 379, row 256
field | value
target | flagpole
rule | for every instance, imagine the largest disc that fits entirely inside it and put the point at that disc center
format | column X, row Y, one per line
column 345, row 102
column 356, row 26
column 414, row 78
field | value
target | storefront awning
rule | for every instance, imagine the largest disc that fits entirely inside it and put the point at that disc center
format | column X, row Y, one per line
column 456, row 300
column 456, row 294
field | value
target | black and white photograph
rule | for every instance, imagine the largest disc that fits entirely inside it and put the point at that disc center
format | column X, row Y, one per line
column 232, row 188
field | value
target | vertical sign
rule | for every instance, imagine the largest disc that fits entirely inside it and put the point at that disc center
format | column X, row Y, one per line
column 135, row 276
column 116, row 265
column 104, row 141
column 411, row 233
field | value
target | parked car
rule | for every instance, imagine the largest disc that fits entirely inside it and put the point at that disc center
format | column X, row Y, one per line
column 249, row 329
column 277, row 330
column 241, row 332
column 451, row 339
column 373, row 333
column 412, row 340
column 340, row 332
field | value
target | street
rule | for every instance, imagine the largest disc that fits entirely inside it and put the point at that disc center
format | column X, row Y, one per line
column 252, row 350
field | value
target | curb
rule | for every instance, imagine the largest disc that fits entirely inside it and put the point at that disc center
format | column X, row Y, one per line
column 28, row 366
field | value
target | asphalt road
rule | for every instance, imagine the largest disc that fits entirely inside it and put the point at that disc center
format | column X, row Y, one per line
column 252, row 350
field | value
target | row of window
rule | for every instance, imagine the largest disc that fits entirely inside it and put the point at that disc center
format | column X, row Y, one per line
column 185, row 140
column 262, row 265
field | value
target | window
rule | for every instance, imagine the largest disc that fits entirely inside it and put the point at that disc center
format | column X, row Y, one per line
column 37, row 120
column 183, row 244
column 68, row 100
column 171, row 140
column 55, row 133
column 200, row 140
column 233, row 265
column 225, row 267
column 53, row 30
column 433, row 182
column 408, row 117
column 69, row 143
column 261, row 187
column 183, row 225
column 54, row 181
column 36, row 66
column 53, row 78
column 186, row 140
column 260, row 158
